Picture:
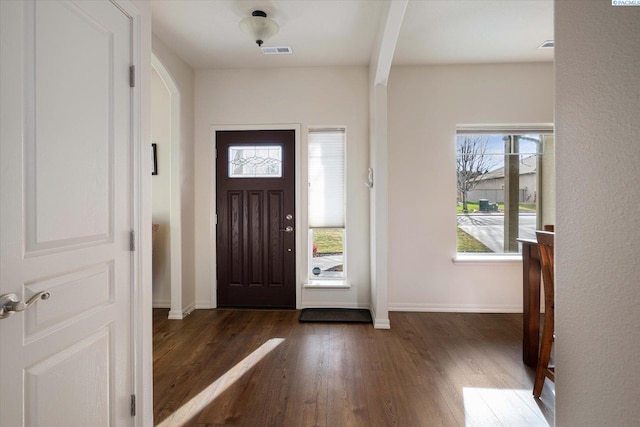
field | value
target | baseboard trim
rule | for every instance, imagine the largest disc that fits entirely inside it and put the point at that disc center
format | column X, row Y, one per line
column 176, row 315
column 379, row 323
column 189, row 309
column 181, row 314
column 204, row 306
column 464, row 308
column 382, row 324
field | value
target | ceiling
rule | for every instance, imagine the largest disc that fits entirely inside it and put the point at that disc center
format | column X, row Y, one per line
column 205, row 33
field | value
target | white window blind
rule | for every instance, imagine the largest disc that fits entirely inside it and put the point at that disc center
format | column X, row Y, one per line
column 326, row 178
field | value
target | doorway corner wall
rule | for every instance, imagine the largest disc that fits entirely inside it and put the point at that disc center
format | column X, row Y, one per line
column 178, row 78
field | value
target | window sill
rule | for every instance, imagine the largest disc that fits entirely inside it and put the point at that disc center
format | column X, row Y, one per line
column 486, row 259
column 327, row 284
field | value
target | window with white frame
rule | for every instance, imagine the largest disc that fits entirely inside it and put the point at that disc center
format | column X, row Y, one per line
column 498, row 187
column 326, row 156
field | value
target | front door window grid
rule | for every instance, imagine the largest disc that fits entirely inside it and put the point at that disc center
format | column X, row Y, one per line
column 255, row 162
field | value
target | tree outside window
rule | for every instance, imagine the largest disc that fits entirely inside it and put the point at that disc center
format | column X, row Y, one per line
column 497, row 185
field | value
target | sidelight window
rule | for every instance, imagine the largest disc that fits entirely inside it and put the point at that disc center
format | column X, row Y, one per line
column 326, row 203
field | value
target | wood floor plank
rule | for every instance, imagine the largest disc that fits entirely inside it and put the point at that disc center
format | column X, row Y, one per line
column 263, row 368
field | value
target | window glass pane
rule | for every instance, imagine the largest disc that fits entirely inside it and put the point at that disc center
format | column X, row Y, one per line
column 326, row 178
column 255, row 161
column 327, row 261
column 498, row 198
column 530, row 145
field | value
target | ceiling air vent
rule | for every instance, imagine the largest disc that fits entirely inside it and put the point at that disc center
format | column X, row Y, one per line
column 547, row 44
column 276, row 50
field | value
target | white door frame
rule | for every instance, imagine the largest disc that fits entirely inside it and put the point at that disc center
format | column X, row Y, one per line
column 177, row 310
column 141, row 315
column 212, row 198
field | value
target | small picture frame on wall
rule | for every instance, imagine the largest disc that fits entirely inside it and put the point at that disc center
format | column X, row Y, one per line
column 154, row 160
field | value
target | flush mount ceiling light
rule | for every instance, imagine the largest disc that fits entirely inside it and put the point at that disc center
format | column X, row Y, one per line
column 259, row 27
column 547, row 44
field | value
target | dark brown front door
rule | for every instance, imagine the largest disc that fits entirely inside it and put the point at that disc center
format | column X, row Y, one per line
column 255, row 196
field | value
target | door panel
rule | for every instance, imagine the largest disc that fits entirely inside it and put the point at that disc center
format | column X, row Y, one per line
column 255, row 229
column 85, row 359
column 235, row 258
column 82, row 127
column 65, row 218
column 90, row 288
column 255, row 204
column 276, row 250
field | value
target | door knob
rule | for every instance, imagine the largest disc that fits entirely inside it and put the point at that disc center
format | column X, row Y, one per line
column 10, row 303
column 288, row 229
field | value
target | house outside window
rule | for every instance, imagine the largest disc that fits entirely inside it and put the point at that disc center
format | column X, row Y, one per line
column 326, row 204
column 498, row 188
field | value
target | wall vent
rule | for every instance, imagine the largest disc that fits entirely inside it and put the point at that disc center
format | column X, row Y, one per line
column 276, row 50
column 547, row 44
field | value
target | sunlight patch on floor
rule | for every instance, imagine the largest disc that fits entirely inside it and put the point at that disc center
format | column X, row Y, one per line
column 485, row 406
column 215, row 389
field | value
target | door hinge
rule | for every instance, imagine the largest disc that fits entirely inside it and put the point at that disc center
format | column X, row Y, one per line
column 216, row 219
column 132, row 241
column 132, row 76
column 133, row 405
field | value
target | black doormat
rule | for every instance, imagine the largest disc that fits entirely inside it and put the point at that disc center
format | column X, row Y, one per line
column 350, row 315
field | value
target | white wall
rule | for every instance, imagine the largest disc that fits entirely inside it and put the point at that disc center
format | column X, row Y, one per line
column 425, row 104
column 183, row 77
column 598, row 225
column 161, row 136
column 309, row 97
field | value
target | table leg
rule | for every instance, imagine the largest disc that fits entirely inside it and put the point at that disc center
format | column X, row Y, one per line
column 531, row 304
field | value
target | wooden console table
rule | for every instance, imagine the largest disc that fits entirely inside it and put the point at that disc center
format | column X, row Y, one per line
column 531, row 301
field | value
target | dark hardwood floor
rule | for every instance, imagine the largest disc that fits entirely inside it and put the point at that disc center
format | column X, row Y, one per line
column 263, row 368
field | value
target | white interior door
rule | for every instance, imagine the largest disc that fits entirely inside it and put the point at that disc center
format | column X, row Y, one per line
column 65, row 213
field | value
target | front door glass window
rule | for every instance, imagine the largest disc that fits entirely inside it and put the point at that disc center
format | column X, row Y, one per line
column 255, row 161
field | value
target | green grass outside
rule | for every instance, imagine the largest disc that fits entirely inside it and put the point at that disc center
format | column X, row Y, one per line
column 475, row 206
column 466, row 243
column 328, row 240
column 471, row 206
